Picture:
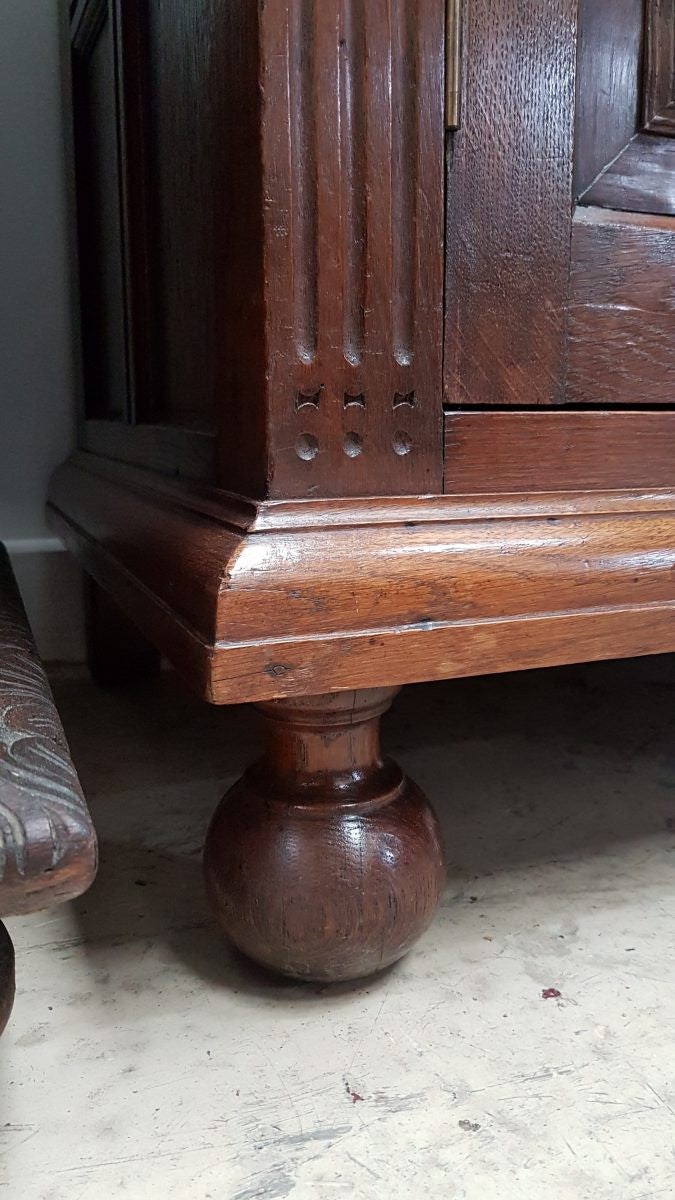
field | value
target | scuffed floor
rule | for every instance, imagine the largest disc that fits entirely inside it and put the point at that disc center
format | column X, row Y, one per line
column 144, row 1059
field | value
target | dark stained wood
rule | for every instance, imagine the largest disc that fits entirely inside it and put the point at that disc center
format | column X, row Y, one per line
column 115, row 212
column 47, row 840
column 641, row 179
column 659, row 75
column 608, row 84
column 352, row 143
column 509, row 205
column 138, row 209
column 230, row 115
column 324, row 862
column 253, row 605
column 99, row 214
column 581, row 451
column 116, row 652
column 295, row 153
column 622, row 312
column 170, row 449
column 186, row 83
column 6, row 977
column 180, row 555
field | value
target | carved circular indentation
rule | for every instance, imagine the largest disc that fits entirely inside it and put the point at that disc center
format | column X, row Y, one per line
column 307, row 446
column 402, row 442
column 352, row 445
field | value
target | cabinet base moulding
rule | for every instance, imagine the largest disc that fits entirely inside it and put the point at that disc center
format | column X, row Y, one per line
column 257, row 601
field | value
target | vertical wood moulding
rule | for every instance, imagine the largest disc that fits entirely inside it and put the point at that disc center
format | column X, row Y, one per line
column 353, row 196
column 303, row 212
column 352, row 153
column 404, row 172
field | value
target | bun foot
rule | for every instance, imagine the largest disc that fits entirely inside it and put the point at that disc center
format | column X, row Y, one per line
column 324, row 862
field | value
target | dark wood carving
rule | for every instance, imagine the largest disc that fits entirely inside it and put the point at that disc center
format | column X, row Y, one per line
column 659, row 74
column 325, row 862
column 508, row 214
column 47, row 841
column 622, row 313
column 353, row 162
column 290, row 155
column 297, row 149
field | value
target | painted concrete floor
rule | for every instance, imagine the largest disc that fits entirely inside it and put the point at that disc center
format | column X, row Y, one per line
column 145, row 1059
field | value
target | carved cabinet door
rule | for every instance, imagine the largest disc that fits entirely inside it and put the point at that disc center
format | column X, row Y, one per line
column 289, row 264
column 561, row 205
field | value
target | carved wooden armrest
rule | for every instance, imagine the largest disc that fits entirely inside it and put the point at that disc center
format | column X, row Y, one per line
column 48, row 850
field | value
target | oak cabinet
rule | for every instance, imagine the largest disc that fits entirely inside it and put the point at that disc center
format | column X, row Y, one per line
column 379, row 348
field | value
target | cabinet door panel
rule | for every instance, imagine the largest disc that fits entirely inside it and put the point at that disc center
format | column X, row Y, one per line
column 622, row 311
column 547, row 305
column 608, row 84
column 509, row 207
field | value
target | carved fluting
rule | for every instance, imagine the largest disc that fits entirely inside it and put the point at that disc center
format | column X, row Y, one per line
column 353, row 159
column 47, row 842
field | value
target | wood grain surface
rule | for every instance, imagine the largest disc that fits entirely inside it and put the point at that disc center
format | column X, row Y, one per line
column 641, row 179
column 353, row 151
column 325, row 861
column 659, row 74
column 301, row 596
column 488, row 452
column 47, row 840
column 509, row 205
column 622, row 313
column 608, row 84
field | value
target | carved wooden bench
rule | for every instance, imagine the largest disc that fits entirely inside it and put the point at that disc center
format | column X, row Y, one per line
column 48, row 849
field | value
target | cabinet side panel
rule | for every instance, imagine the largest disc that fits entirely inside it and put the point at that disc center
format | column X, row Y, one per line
column 204, row 150
column 509, row 205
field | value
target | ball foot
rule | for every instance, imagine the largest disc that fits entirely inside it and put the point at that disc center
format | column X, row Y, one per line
column 324, row 862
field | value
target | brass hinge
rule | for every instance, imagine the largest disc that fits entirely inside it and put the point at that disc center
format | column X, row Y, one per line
column 453, row 62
